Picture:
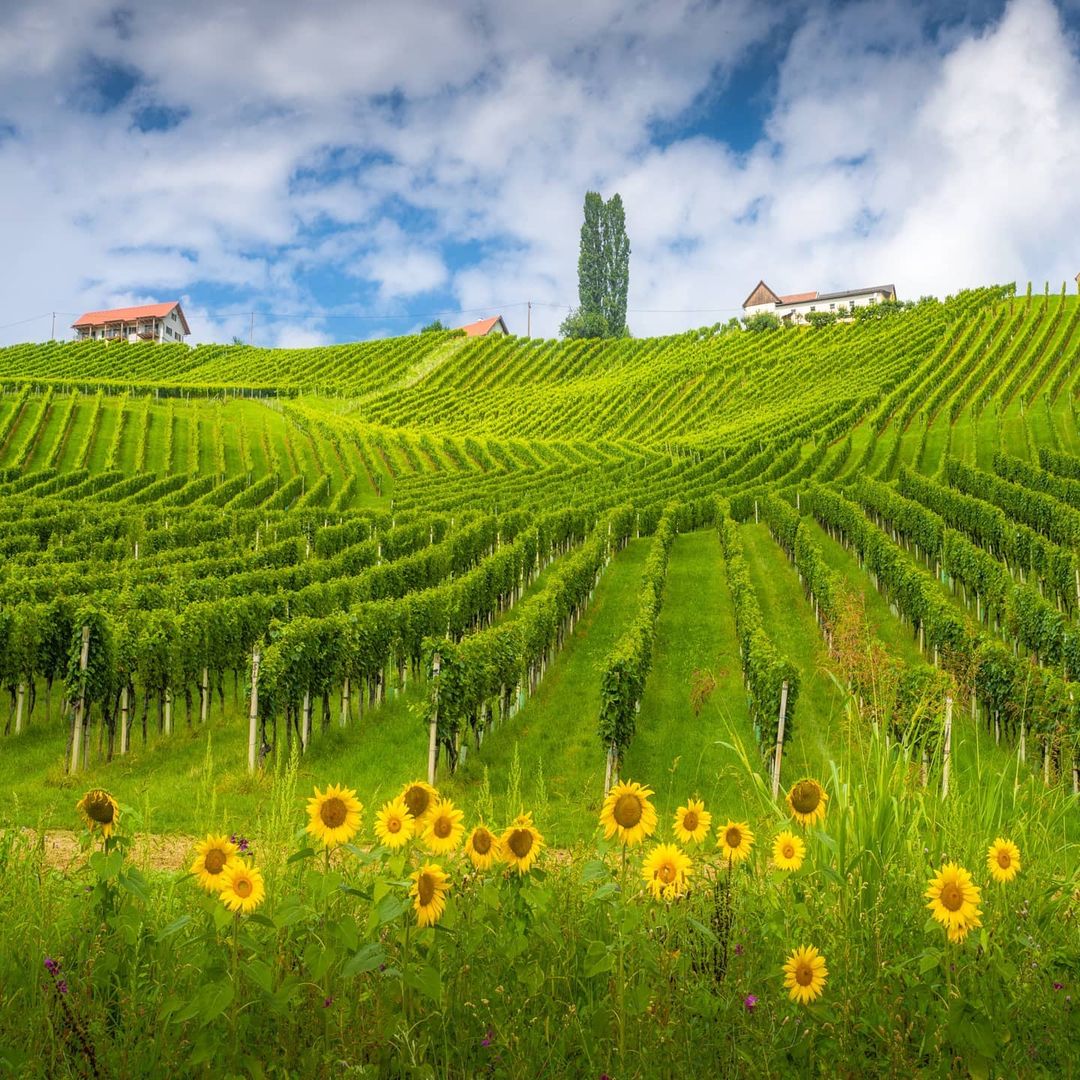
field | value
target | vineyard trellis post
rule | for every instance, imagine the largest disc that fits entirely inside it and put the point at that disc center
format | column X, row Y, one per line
column 946, row 753
column 80, row 705
column 253, row 711
column 779, row 740
column 125, row 736
column 433, row 730
column 20, row 702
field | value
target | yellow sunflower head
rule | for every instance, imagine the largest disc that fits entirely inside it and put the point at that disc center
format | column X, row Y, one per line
column 213, row 857
column 806, row 801
column 788, row 851
column 420, row 798
column 444, row 828
column 692, row 822
column 960, row 931
column 735, row 841
column 394, row 824
column 242, row 890
column 334, row 815
column 1003, row 860
column 953, row 898
column 429, row 888
column 805, row 974
column 667, row 870
column 100, row 811
column 628, row 814
column 520, row 845
column 482, row 847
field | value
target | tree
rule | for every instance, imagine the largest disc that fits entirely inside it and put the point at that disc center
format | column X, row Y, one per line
column 434, row 327
column 763, row 320
column 603, row 271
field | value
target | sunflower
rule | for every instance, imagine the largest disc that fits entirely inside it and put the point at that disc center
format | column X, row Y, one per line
column 628, row 812
column 666, row 869
column 692, row 822
column 807, row 800
column 954, row 899
column 420, row 798
column 429, row 888
column 394, row 823
column 100, row 810
column 242, row 889
column 334, row 815
column 482, row 847
column 444, row 829
column 521, row 844
column 805, row 974
column 213, row 857
column 788, row 851
column 735, row 841
column 1003, row 860
column 960, row 931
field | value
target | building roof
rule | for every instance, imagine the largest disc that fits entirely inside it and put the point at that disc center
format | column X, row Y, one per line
column 484, row 326
column 889, row 289
column 131, row 314
column 798, row 298
column 767, row 292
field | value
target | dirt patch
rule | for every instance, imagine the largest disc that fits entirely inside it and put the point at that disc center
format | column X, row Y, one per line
column 156, row 852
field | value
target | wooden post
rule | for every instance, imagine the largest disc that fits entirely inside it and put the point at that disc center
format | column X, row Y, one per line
column 757, row 519
column 253, row 711
column 1023, row 741
column 20, row 700
column 204, row 703
column 609, row 770
column 433, row 730
column 305, row 724
column 125, row 735
column 779, row 741
column 946, row 753
column 80, row 706
column 168, row 710
column 345, row 701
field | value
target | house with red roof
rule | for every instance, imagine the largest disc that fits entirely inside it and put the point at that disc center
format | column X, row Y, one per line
column 494, row 325
column 148, row 322
column 794, row 307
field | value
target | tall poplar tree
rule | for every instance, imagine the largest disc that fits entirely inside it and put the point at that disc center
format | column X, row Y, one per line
column 603, row 271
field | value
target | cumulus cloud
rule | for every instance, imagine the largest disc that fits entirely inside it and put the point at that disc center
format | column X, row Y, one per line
column 396, row 157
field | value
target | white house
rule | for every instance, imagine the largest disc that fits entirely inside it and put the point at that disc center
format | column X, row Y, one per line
column 797, row 306
column 150, row 322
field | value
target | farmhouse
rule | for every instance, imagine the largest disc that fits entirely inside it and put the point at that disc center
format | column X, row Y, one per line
column 150, row 322
column 797, row 306
column 484, row 327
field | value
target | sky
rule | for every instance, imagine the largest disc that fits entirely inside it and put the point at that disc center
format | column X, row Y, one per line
column 349, row 169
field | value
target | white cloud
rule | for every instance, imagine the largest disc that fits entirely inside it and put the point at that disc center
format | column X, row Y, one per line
column 376, row 142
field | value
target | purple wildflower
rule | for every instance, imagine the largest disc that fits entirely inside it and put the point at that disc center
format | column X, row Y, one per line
column 750, row 1001
column 738, row 949
column 327, row 1002
column 51, row 965
column 488, row 1039
column 1059, row 986
column 62, row 986
column 241, row 842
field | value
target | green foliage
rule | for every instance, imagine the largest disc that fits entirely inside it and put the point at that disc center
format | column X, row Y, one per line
column 603, row 272
column 762, row 321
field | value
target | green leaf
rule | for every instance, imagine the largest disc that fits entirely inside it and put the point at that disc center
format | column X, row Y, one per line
column 598, row 959
column 173, row 928
column 594, row 870
column 261, row 974
column 427, row 980
column 367, row 958
column 930, row 959
column 214, row 1000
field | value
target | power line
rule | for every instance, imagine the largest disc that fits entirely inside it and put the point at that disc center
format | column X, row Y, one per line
column 33, row 318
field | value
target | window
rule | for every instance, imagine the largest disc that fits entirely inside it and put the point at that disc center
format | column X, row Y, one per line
column 832, row 307
column 813, row 308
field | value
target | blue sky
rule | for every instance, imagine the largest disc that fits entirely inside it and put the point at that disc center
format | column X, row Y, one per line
column 350, row 170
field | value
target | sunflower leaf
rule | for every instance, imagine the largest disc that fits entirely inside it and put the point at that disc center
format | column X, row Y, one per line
column 367, row 958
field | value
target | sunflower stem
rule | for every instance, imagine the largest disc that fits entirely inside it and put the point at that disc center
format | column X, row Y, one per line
column 620, row 987
column 405, row 997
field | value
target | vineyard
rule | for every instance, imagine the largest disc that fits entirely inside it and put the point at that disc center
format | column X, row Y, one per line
column 524, row 571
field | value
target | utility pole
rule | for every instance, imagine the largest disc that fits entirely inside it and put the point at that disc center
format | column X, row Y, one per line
column 52, row 335
column 528, row 323
column 251, row 330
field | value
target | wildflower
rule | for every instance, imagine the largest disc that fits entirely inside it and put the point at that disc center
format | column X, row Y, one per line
column 327, row 1002
column 394, row 824
column 444, row 828
column 334, row 815
column 243, row 890
column 628, row 813
column 806, row 801
column 420, row 798
column 788, row 851
column 954, row 900
column 521, row 844
column 51, row 966
column 739, row 950
column 1003, row 860
column 692, row 822
column 482, row 847
column 488, row 1038
column 62, row 986
column 429, row 889
column 735, row 841
column 1059, row 986
column 666, row 870
column 242, row 843
column 805, row 974
column 750, row 1002
column 100, row 811
column 214, row 856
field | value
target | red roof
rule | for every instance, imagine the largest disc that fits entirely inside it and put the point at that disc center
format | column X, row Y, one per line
column 798, row 298
column 484, row 326
column 131, row 314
